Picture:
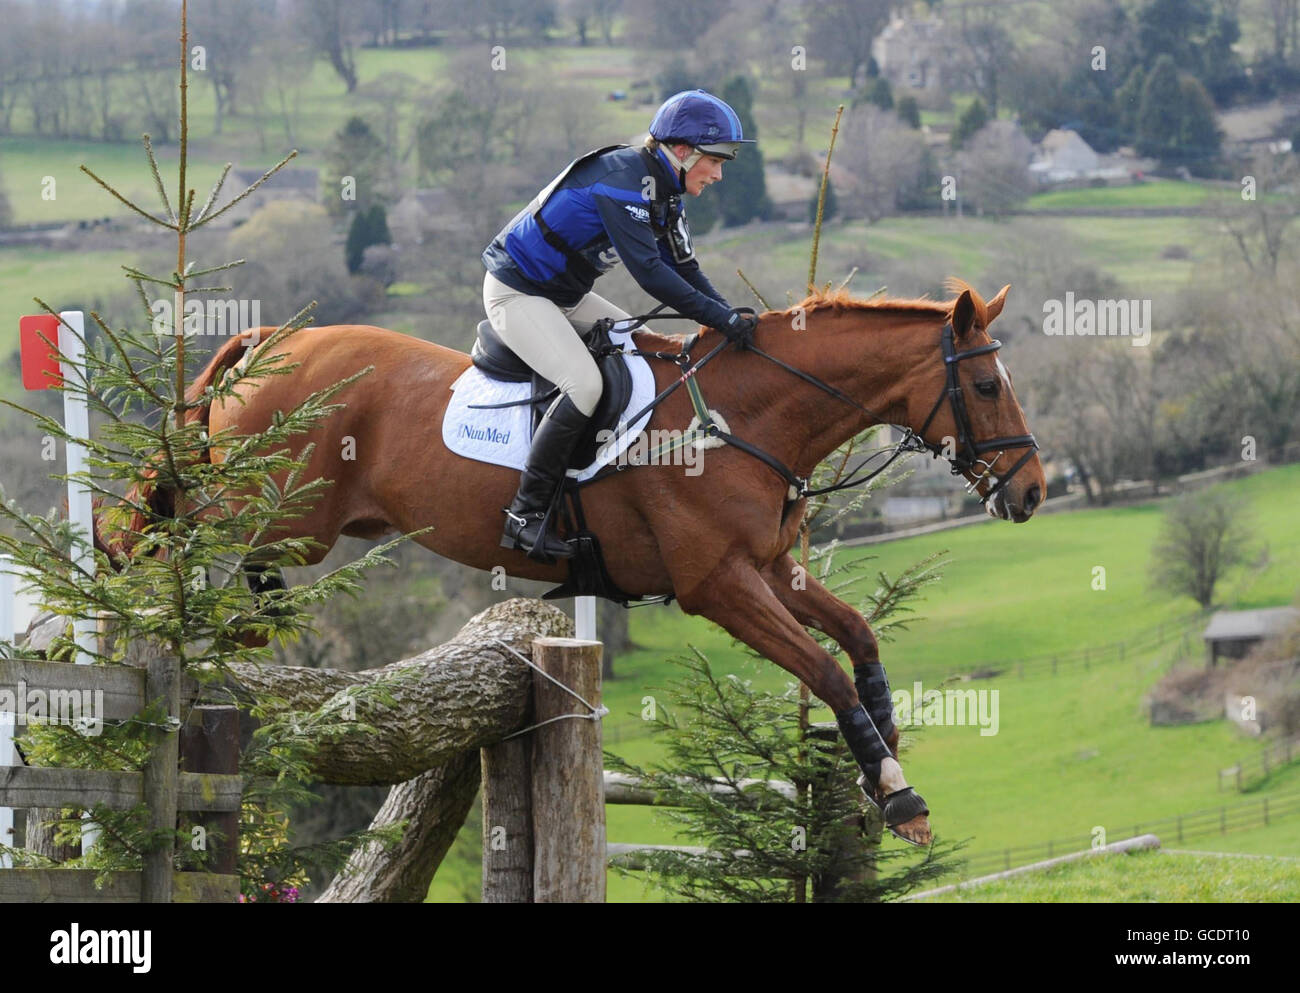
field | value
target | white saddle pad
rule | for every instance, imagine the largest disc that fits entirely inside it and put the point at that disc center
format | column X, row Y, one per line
column 503, row 436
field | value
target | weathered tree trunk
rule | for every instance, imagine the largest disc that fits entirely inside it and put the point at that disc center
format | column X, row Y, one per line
column 435, row 804
column 450, row 700
column 467, row 693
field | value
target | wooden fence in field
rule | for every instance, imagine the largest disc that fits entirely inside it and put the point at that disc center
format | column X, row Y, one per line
column 1266, row 760
column 1260, row 812
column 545, row 790
column 192, row 770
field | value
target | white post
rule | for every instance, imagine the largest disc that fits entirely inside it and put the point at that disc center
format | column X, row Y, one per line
column 584, row 618
column 8, row 756
column 76, row 421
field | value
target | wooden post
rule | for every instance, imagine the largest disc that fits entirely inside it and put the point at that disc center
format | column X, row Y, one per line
column 209, row 742
column 507, row 822
column 162, row 773
column 568, row 794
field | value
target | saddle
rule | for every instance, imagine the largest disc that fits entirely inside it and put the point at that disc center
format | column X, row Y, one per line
column 588, row 575
column 492, row 357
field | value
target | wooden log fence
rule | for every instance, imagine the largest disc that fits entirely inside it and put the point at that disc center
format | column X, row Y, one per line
column 199, row 778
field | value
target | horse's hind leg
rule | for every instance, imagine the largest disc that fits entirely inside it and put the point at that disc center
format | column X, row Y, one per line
column 813, row 605
column 736, row 597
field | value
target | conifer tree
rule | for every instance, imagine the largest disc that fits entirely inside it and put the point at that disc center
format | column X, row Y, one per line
column 172, row 576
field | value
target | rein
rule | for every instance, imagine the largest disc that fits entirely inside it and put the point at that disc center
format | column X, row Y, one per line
column 967, row 458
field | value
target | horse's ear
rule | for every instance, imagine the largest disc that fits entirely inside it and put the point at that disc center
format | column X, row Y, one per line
column 963, row 314
column 994, row 306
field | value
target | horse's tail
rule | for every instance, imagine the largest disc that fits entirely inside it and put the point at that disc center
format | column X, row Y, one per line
column 115, row 526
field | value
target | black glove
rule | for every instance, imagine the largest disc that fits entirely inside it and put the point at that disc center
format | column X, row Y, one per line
column 740, row 326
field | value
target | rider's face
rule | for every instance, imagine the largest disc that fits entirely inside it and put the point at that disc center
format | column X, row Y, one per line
column 704, row 173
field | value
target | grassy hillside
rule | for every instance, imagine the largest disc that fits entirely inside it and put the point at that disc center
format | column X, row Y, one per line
column 1145, row 877
column 1073, row 752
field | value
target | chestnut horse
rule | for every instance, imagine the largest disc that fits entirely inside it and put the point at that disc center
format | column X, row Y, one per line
column 719, row 541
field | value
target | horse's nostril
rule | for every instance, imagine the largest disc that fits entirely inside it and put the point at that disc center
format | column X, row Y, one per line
column 1031, row 499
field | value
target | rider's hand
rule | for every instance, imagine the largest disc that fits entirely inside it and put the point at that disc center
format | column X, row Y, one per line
column 740, row 326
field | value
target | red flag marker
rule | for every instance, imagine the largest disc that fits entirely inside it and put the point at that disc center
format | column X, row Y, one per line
column 38, row 358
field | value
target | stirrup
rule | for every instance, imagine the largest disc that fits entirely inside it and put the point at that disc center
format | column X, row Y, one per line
column 543, row 547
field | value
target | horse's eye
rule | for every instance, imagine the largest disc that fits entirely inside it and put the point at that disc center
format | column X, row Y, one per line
column 987, row 387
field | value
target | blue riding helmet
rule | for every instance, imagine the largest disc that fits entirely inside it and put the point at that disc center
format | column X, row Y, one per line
column 701, row 120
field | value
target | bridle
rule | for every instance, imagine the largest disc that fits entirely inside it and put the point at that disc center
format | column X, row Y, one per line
column 966, row 459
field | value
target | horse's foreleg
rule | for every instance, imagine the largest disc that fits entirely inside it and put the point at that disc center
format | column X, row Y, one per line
column 812, row 604
column 737, row 598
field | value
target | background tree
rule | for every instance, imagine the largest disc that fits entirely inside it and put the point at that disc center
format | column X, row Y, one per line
column 743, row 197
column 369, row 227
column 293, row 256
column 974, row 117
column 995, row 168
column 1203, row 535
column 1176, row 120
column 329, row 26
column 877, row 92
column 224, row 31
column 886, row 158
column 841, row 32
column 909, row 112
column 357, row 152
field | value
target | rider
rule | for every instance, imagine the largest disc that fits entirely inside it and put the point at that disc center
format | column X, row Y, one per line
column 617, row 204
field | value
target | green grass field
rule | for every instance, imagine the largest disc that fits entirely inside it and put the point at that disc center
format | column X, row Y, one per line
column 1144, row 877
column 1152, row 193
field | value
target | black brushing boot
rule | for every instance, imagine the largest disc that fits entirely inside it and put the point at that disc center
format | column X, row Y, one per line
column 548, row 459
column 873, row 690
column 870, row 750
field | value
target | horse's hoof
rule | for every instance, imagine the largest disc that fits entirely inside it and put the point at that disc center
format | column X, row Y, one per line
column 906, row 816
column 914, row 832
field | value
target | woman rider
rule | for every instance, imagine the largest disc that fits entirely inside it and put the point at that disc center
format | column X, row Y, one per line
column 617, row 204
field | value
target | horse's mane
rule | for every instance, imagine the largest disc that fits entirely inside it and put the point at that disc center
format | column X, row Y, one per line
column 841, row 299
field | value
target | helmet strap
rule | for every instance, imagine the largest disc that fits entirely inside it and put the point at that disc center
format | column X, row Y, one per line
column 683, row 165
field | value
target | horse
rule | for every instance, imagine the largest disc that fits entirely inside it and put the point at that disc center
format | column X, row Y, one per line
column 718, row 541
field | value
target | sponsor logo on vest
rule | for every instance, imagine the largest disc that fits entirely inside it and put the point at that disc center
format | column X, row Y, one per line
column 640, row 213
column 492, row 435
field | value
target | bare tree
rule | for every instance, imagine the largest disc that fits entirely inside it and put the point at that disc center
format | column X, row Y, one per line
column 1258, row 219
column 995, row 168
column 329, row 25
column 987, row 50
column 882, row 154
column 1204, row 535
column 841, row 32
column 223, row 31
column 293, row 257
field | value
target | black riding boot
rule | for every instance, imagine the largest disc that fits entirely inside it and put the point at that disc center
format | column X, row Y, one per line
column 548, row 459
